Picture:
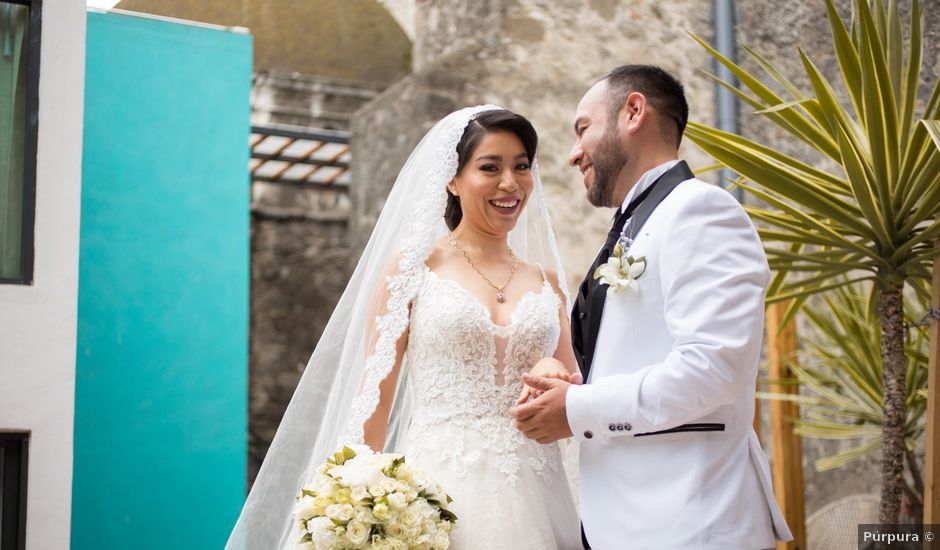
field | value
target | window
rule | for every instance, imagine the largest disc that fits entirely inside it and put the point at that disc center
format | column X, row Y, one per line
column 19, row 79
column 13, row 459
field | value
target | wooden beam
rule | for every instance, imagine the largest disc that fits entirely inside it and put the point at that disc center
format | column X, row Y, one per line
column 758, row 425
column 932, row 445
column 787, row 447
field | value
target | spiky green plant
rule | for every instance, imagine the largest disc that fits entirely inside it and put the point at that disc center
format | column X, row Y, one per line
column 840, row 365
column 876, row 217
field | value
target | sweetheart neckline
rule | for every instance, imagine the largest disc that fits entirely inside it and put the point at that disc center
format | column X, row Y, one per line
column 489, row 314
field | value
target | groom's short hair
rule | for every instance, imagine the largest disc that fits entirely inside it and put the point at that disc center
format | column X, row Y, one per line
column 662, row 90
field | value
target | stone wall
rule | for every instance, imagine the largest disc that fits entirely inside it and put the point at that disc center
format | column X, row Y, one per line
column 300, row 255
column 536, row 58
column 308, row 101
column 298, row 271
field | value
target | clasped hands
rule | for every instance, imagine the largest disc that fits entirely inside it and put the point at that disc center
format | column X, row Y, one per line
column 540, row 412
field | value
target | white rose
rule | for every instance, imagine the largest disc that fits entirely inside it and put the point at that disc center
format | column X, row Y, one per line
column 325, row 539
column 395, row 544
column 425, row 509
column 432, row 489
column 385, row 460
column 376, row 490
column 411, row 517
column 405, row 473
column 342, row 538
column 381, row 512
column 320, row 503
column 340, row 512
column 419, row 477
column 441, row 540
column 389, row 485
column 380, row 544
column 364, row 515
column 323, row 485
column 362, row 450
column 359, row 493
column 319, row 524
column 396, row 530
column 397, row 501
column 321, row 530
column 361, row 470
column 357, row 532
column 305, row 508
column 411, row 493
column 413, row 533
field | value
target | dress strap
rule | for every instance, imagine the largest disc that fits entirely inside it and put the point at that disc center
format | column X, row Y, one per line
column 542, row 271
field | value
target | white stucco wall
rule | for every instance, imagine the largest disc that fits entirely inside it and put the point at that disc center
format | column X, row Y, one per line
column 38, row 322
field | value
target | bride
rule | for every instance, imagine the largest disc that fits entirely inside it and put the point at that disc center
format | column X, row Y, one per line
column 459, row 291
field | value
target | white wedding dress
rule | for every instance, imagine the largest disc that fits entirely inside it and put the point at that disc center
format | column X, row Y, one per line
column 451, row 413
column 509, row 492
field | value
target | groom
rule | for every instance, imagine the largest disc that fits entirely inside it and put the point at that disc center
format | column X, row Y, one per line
column 668, row 348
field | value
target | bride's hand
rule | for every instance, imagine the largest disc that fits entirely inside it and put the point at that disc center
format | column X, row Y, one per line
column 548, row 367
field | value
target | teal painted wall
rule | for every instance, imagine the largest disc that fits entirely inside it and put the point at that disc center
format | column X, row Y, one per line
column 162, row 358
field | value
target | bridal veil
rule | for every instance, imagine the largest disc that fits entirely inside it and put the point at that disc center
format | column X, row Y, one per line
column 339, row 389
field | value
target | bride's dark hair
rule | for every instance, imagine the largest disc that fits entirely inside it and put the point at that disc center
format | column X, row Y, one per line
column 485, row 123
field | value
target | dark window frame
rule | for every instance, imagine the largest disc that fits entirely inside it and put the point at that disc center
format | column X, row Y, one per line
column 15, row 449
column 27, row 242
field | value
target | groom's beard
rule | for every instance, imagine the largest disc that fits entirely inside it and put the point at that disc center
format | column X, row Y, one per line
column 609, row 161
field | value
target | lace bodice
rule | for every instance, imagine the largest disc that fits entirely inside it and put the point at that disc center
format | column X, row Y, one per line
column 466, row 372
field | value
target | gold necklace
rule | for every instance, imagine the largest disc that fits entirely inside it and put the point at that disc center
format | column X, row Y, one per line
column 500, row 296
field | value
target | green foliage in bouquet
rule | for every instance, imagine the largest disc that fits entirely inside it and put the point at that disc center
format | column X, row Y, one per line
column 875, row 218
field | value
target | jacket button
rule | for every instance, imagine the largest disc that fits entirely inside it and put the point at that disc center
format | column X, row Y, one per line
column 627, row 427
column 582, row 315
column 619, row 427
column 588, row 434
column 612, row 427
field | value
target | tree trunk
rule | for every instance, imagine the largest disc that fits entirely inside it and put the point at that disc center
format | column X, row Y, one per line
column 894, row 365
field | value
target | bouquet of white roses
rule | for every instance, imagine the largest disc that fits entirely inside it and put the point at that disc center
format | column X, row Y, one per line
column 368, row 500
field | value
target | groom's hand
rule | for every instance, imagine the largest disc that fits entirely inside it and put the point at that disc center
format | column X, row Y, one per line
column 544, row 419
column 547, row 367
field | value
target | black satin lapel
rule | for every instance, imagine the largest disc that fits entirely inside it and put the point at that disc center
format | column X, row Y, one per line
column 596, row 299
column 577, row 329
column 664, row 186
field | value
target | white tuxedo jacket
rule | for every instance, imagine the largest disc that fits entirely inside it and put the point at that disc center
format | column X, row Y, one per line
column 682, row 351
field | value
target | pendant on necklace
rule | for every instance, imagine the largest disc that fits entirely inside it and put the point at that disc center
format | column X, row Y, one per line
column 500, row 297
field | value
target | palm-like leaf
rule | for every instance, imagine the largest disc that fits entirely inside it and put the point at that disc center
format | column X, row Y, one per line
column 876, row 218
column 840, row 367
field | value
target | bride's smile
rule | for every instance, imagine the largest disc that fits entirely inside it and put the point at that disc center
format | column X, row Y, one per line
column 495, row 185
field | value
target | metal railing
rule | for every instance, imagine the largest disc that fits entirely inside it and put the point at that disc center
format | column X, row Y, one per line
column 299, row 157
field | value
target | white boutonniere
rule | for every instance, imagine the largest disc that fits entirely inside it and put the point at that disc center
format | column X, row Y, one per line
column 621, row 272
